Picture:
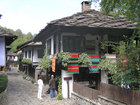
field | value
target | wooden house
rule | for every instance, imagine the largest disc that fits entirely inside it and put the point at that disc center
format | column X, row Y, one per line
column 12, row 56
column 83, row 32
column 33, row 51
column 6, row 39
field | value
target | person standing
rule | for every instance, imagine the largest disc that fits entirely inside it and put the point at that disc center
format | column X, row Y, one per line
column 40, row 87
column 52, row 86
column 39, row 73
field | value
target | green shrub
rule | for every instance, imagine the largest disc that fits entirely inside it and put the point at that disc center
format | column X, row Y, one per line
column 60, row 56
column 33, row 80
column 59, row 96
column 3, row 82
column 28, row 61
column 45, row 61
column 84, row 60
column 24, row 76
column 65, row 59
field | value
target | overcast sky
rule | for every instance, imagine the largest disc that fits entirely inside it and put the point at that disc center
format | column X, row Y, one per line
column 33, row 15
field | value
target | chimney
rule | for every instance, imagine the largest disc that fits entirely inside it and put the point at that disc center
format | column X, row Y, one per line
column 86, row 6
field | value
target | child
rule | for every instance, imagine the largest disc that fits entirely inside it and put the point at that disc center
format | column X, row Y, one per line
column 40, row 87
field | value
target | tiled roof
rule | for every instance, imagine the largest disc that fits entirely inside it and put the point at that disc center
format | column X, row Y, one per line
column 96, row 19
column 5, row 33
column 9, row 36
column 29, row 43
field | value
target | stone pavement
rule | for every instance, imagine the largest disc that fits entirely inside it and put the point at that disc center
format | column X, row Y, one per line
column 23, row 92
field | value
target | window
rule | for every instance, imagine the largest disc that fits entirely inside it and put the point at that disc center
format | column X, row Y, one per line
column 40, row 53
column 25, row 54
column 90, row 46
column 29, row 53
column 73, row 43
column 54, row 44
column 49, row 46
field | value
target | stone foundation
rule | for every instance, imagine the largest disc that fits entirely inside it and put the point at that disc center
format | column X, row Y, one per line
column 105, row 101
column 80, row 100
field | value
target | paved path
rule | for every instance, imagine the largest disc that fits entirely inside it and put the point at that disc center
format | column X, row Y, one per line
column 23, row 92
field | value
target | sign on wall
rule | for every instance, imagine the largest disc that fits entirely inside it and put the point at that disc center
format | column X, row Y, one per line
column 2, row 51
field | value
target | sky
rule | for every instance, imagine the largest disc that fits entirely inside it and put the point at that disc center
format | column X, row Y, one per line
column 33, row 15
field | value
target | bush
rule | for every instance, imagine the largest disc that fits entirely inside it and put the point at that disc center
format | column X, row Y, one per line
column 3, row 82
column 65, row 59
column 84, row 60
column 45, row 61
column 24, row 76
column 33, row 80
column 59, row 96
column 28, row 61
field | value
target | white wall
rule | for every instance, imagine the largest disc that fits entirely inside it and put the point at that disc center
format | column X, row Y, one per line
column 64, row 84
column 16, row 58
column 35, row 55
column 2, row 51
column 104, row 77
column 13, row 58
column 27, row 49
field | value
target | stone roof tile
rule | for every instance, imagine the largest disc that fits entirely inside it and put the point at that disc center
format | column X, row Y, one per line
column 94, row 18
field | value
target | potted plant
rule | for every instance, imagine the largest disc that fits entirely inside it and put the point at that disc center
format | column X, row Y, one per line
column 26, row 61
column 84, row 60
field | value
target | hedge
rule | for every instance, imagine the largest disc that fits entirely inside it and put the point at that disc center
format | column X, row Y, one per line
column 3, row 82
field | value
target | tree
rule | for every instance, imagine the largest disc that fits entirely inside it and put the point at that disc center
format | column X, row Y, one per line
column 128, row 60
column 22, row 38
column 126, row 8
column 125, row 70
column 29, row 36
column 45, row 61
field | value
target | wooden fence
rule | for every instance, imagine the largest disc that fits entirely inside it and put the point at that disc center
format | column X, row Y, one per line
column 83, row 90
column 109, row 91
column 127, row 96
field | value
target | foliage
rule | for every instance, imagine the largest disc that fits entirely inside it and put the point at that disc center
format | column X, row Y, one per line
column 3, row 82
column 84, row 59
column 24, row 76
column 32, row 80
column 106, row 44
column 60, row 56
column 59, row 96
column 128, row 51
column 21, row 38
column 25, row 60
column 65, row 59
column 107, row 64
column 125, row 71
column 45, row 61
column 127, row 8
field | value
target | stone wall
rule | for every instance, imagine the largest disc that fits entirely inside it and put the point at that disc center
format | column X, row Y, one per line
column 105, row 101
column 80, row 100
